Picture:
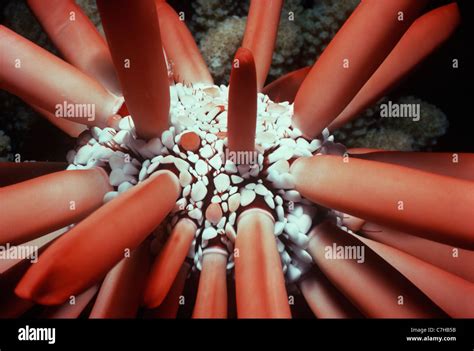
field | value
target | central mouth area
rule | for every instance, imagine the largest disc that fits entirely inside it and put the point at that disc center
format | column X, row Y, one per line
column 217, row 185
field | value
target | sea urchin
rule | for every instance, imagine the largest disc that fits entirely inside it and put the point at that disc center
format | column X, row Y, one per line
column 208, row 177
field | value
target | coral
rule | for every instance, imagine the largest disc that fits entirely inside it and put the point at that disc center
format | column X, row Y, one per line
column 293, row 6
column 352, row 131
column 319, row 25
column 211, row 13
column 302, row 35
column 288, row 46
column 433, row 123
column 289, row 41
column 395, row 132
column 385, row 138
column 219, row 45
column 208, row 25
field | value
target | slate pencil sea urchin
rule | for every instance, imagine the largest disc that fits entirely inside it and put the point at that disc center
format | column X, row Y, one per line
column 189, row 178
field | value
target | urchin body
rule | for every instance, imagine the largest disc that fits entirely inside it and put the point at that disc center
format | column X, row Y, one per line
column 217, row 184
